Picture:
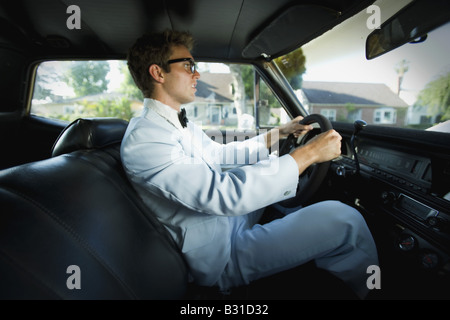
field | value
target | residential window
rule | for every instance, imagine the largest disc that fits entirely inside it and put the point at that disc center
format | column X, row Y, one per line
column 330, row 114
column 385, row 116
column 215, row 111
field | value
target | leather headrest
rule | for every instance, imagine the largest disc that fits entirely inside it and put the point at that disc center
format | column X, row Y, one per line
column 89, row 133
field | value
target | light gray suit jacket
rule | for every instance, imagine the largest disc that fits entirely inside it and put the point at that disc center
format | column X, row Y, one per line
column 177, row 172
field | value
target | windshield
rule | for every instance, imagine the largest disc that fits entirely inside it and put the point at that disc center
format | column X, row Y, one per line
column 408, row 87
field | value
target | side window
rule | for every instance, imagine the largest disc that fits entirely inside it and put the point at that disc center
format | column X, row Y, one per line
column 68, row 90
column 225, row 99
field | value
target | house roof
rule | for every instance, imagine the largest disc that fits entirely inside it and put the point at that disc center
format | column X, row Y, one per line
column 214, row 86
column 354, row 93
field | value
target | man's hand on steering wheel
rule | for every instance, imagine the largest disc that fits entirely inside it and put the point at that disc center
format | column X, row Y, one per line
column 294, row 127
column 312, row 156
column 324, row 147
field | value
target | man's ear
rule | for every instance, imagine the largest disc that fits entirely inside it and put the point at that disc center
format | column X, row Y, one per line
column 156, row 72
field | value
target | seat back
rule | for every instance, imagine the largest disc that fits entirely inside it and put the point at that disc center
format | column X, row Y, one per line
column 72, row 226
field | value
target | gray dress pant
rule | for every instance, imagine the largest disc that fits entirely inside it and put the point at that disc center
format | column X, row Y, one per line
column 331, row 233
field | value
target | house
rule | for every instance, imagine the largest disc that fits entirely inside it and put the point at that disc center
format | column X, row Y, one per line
column 420, row 116
column 341, row 101
column 214, row 103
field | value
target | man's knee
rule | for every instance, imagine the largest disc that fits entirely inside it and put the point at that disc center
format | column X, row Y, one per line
column 343, row 218
column 353, row 223
column 343, row 212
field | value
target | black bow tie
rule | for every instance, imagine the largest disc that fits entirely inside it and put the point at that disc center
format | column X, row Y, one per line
column 183, row 118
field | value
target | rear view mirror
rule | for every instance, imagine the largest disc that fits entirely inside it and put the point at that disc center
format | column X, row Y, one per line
column 409, row 25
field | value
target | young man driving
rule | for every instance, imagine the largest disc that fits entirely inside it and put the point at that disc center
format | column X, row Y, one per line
column 213, row 214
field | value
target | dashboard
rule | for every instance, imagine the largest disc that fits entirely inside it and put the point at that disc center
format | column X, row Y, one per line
column 412, row 190
column 409, row 184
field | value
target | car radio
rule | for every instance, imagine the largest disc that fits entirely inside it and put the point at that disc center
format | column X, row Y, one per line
column 425, row 214
column 415, row 208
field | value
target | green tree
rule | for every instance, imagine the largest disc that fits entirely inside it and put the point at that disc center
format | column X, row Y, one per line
column 128, row 86
column 40, row 90
column 88, row 77
column 243, row 87
column 436, row 96
column 293, row 67
column 116, row 108
column 45, row 77
column 238, row 89
column 248, row 76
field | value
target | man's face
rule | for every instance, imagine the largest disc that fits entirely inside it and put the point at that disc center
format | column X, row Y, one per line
column 180, row 83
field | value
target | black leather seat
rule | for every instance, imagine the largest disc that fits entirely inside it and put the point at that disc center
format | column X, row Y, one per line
column 78, row 209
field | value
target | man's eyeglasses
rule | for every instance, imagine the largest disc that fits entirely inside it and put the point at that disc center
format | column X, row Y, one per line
column 193, row 66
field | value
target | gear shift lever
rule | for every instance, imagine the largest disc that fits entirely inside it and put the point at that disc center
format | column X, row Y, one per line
column 359, row 125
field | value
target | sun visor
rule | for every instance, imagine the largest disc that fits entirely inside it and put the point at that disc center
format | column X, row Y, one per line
column 295, row 26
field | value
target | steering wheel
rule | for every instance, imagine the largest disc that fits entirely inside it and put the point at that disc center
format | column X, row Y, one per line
column 310, row 179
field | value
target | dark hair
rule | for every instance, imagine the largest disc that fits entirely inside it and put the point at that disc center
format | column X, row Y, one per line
column 154, row 48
